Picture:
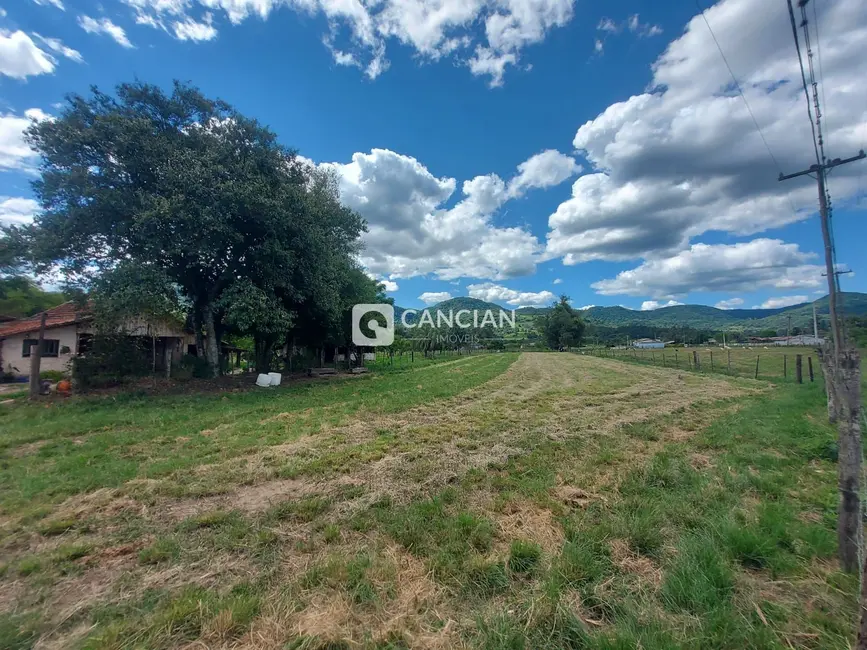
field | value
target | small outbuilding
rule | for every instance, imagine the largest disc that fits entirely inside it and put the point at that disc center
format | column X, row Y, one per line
column 648, row 344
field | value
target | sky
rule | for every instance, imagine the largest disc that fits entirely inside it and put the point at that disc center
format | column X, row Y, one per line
column 508, row 150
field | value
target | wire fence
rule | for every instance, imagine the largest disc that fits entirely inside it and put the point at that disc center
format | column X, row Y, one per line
column 793, row 364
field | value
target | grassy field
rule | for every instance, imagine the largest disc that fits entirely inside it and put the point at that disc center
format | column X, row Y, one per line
column 776, row 363
column 494, row 502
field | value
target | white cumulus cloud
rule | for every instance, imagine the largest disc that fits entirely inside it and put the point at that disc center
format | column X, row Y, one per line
column 17, row 210
column 20, row 57
column 359, row 31
column 782, row 301
column 53, row 3
column 433, row 297
column 104, row 26
column 665, row 166
column 650, row 305
column 15, row 153
column 192, row 30
column 543, row 170
column 731, row 303
column 411, row 233
column 748, row 266
column 490, row 292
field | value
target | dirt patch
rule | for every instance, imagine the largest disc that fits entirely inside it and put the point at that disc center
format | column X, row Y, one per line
column 638, row 565
column 574, row 497
column 102, row 503
column 27, row 449
column 334, row 617
column 527, row 521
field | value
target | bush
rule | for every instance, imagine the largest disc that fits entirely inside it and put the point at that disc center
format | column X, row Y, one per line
column 111, row 360
column 52, row 375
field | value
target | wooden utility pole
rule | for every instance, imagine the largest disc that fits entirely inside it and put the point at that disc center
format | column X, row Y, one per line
column 844, row 366
column 36, row 360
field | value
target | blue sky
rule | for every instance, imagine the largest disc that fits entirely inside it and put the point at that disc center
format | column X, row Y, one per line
column 511, row 149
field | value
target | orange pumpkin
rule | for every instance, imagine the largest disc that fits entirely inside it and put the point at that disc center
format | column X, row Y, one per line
column 64, row 386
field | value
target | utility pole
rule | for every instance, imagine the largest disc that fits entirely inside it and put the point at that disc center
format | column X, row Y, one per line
column 818, row 171
column 815, row 323
column 36, row 360
column 843, row 371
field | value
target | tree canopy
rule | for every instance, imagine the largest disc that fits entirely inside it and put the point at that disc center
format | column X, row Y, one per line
column 561, row 327
column 186, row 189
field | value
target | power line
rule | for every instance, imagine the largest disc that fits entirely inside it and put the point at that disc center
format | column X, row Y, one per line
column 804, row 80
column 741, row 92
column 819, row 56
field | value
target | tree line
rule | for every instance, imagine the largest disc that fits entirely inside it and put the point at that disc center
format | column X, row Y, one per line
column 175, row 204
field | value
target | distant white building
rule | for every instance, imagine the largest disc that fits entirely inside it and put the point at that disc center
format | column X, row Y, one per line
column 648, row 344
column 801, row 340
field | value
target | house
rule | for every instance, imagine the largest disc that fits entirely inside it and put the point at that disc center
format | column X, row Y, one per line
column 648, row 344
column 68, row 332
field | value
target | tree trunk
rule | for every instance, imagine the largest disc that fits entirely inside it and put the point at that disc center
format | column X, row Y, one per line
column 197, row 331
column 849, row 524
column 212, row 344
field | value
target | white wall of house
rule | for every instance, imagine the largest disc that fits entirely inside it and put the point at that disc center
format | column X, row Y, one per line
column 13, row 348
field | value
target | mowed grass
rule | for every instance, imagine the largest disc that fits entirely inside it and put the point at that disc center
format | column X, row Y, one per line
column 53, row 450
column 579, row 503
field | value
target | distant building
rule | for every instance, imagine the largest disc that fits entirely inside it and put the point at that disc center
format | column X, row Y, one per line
column 801, row 339
column 648, row 344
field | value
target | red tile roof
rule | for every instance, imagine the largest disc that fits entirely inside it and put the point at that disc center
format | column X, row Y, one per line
column 65, row 314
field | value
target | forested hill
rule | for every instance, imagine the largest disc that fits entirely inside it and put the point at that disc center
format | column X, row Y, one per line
column 711, row 318
column 700, row 317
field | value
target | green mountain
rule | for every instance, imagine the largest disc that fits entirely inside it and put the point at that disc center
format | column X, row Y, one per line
column 711, row 318
column 456, row 304
column 693, row 316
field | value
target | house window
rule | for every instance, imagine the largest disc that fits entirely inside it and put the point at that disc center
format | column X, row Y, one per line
column 50, row 347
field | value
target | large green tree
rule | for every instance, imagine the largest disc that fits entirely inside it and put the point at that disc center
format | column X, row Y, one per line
column 562, row 326
column 189, row 185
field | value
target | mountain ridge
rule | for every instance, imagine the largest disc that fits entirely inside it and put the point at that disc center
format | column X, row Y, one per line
column 695, row 316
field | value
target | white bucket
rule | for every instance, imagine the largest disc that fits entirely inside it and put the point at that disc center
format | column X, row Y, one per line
column 275, row 378
column 263, row 380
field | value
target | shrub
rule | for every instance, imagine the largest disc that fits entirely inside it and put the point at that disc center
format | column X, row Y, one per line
column 52, row 375
column 111, row 359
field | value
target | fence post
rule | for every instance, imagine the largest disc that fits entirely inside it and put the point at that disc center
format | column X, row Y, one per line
column 652, row 357
column 663, row 359
column 729, row 354
column 711, row 360
column 757, row 366
column 675, row 356
column 696, row 362
column 810, row 367
column 799, row 369
column 785, row 368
